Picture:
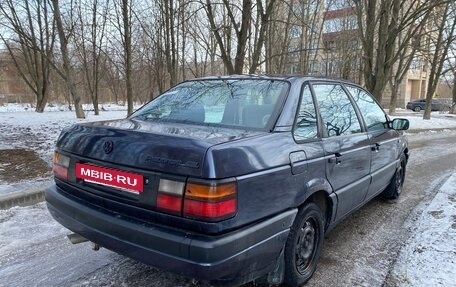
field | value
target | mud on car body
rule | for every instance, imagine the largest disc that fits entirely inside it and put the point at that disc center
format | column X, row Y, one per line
column 229, row 179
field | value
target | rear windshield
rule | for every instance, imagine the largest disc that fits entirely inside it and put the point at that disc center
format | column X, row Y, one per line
column 236, row 102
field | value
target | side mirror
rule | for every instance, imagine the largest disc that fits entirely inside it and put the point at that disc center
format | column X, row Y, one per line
column 400, row 124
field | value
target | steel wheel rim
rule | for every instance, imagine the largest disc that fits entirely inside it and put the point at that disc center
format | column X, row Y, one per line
column 306, row 245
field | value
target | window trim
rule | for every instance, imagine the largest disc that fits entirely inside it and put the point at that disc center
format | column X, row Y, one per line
column 388, row 120
column 319, row 134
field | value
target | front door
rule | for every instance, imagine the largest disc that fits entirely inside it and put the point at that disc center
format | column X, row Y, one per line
column 383, row 140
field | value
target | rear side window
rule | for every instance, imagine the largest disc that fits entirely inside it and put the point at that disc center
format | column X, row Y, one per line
column 248, row 103
column 337, row 112
column 306, row 121
column 373, row 114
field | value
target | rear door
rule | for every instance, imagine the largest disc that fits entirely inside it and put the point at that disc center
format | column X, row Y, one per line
column 384, row 141
column 346, row 145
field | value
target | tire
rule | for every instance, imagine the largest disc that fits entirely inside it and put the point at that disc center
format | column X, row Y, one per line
column 394, row 189
column 417, row 109
column 304, row 245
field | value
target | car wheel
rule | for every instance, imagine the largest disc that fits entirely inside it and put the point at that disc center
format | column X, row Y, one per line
column 417, row 109
column 304, row 245
column 394, row 189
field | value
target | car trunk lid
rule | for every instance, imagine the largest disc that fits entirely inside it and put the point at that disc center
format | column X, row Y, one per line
column 154, row 146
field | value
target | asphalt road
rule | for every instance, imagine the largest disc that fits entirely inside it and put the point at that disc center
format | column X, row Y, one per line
column 359, row 252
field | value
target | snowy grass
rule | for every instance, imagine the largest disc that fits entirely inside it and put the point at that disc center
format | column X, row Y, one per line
column 54, row 107
column 39, row 132
column 438, row 120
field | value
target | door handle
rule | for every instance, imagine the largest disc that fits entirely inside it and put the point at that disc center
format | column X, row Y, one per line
column 375, row 147
column 337, row 158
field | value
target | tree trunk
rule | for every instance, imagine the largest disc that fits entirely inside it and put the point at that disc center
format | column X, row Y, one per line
column 66, row 61
column 393, row 101
column 243, row 37
column 127, row 54
column 264, row 16
column 453, row 104
column 95, row 59
column 40, row 104
column 226, row 58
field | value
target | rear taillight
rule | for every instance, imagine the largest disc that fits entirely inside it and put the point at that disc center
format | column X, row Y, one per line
column 211, row 200
column 204, row 200
column 169, row 196
column 61, row 164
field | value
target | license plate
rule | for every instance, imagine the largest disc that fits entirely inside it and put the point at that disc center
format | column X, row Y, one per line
column 123, row 180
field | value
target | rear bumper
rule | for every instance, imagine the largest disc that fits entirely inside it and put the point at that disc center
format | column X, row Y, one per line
column 240, row 255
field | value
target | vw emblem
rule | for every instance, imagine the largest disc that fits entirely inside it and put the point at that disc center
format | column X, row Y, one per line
column 108, row 146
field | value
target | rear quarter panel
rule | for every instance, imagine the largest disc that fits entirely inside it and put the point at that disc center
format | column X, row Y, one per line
column 266, row 185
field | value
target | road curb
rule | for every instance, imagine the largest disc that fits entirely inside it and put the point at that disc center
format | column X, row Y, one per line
column 22, row 198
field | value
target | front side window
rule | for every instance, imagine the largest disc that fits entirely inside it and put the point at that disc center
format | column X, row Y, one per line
column 337, row 112
column 373, row 114
column 306, row 120
column 234, row 102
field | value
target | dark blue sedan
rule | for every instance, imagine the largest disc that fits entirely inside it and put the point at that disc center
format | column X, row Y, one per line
column 418, row 105
column 229, row 179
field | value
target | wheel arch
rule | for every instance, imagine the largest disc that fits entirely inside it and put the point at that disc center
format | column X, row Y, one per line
column 320, row 192
column 406, row 152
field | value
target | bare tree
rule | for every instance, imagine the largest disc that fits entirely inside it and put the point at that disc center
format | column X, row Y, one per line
column 340, row 41
column 445, row 22
column 279, row 39
column 120, row 50
column 412, row 46
column 67, row 72
column 380, row 23
column 239, row 20
column 90, row 33
column 169, row 30
column 31, row 43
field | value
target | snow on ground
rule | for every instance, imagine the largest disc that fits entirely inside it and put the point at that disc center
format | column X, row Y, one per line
column 52, row 107
column 429, row 255
column 21, row 127
column 439, row 120
column 12, row 220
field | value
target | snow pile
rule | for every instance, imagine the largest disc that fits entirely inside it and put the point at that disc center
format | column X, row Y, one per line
column 429, row 256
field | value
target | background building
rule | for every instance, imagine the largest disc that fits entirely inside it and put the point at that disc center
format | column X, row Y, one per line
column 12, row 86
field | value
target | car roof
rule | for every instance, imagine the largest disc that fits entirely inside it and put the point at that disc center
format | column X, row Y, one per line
column 274, row 77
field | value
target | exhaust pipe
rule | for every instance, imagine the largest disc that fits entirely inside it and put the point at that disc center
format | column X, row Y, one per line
column 77, row 238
